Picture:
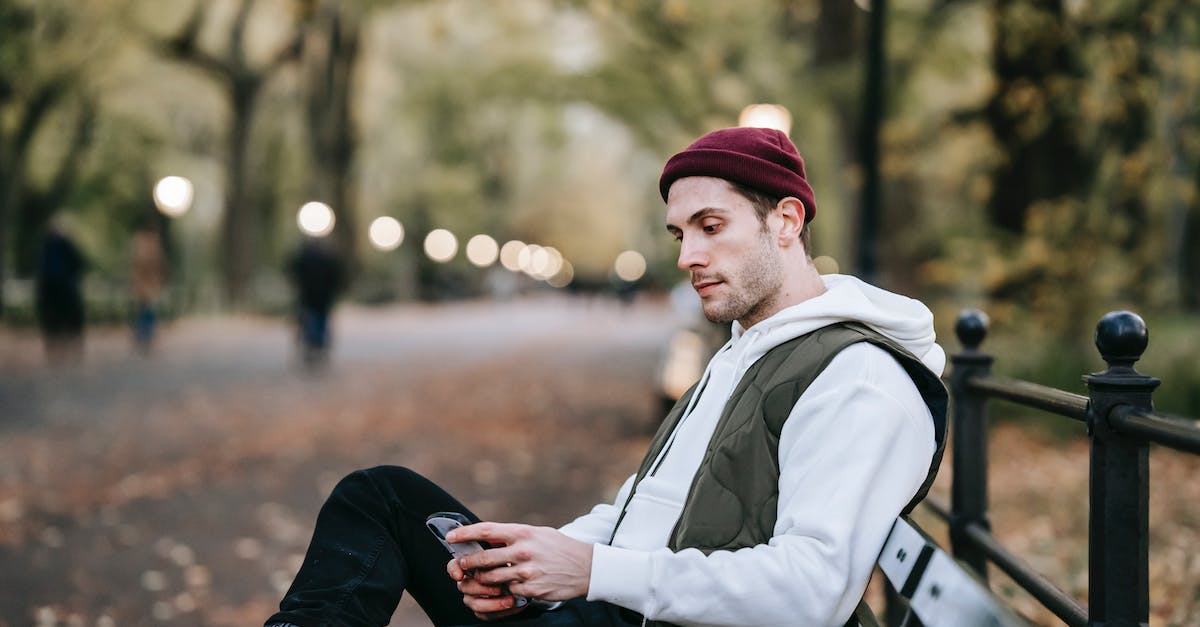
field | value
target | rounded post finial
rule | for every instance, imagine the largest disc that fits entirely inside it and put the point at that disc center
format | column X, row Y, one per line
column 971, row 328
column 1121, row 338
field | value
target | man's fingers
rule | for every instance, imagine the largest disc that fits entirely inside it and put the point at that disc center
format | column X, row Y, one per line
column 498, row 615
column 488, row 559
column 454, row 571
column 497, row 576
column 474, row 587
column 491, row 532
column 496, row 607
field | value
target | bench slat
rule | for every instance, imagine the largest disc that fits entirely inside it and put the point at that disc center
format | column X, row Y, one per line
column 939, row 591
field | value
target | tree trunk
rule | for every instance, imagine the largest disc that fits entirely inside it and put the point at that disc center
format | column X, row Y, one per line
column 1189, row 263
column 332, row 55
column 239, row 226
column 1043, row 159
column 9, row 198
column 241, row 219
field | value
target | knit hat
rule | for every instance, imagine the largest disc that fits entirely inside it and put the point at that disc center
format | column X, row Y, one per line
column 762, row 159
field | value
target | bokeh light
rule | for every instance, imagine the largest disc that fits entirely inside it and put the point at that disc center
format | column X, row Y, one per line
column 564, row 276
column 525, row 258
column 766, row 116
column 826, row 264
column 315, row 219
column 482, row 250
column 630, row 265
column 386, row 233
column 173, row 195
column 539, row 262
column 510, row 254
column 441, row 245
column 554, row 262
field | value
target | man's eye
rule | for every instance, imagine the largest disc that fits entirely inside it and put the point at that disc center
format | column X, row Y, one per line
column 711, row 228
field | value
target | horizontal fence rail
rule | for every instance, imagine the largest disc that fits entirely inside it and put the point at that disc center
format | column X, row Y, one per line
column 1062, row 604
column 1120, row 423
column 1178, row 433
column 1034, row 395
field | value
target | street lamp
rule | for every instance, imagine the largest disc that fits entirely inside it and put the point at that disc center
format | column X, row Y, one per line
column 386, row 233
column 315, row 219
column 510, row 254
column 630, row 265
column 441, row 245
column 173, row 195
column 766, row 116
column 482, row 250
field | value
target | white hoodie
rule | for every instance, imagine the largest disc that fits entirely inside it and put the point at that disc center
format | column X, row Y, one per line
column 854, row 450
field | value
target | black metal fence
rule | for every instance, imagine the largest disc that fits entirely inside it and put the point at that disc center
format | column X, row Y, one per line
column 1121, row 424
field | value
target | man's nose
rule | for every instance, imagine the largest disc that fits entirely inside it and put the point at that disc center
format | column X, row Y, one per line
column 691, row 256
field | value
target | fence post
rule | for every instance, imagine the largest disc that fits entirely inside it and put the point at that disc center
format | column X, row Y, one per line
column 968, row 490
column 1118, row 563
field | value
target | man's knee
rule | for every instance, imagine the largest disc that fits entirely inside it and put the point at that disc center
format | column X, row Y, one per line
column 385, row 481
column 395, row 476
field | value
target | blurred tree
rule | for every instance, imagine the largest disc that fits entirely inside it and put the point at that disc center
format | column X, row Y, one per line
column 1032, row 111
column 1180, row 112
column 241, row 221
column 41, row 83
column 331, row 50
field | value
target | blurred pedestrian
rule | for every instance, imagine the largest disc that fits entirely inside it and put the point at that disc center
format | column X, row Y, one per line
column 147, row 276
column 318, row 276
column 58, row 301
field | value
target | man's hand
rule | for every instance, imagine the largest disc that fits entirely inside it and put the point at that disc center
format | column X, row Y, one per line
column 487, row 602
column 538, row 562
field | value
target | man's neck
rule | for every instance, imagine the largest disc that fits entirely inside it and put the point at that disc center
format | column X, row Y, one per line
column 798, row 287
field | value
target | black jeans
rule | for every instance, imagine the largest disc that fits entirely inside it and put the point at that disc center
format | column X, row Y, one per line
column 370, row 545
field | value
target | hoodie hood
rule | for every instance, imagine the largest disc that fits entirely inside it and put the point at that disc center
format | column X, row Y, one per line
column 902, row 319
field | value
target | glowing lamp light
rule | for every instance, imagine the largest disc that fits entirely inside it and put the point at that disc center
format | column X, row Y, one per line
column 554, row 262
column 510, row 253
column 315, row 219
column 173, row 195
column 525, row 258
column 482, row 250
column 630, row 265
column 539, row 262
column 564, row 276
column 826, row 264
column 441, row 245
column 386, row 233
column 766, row 116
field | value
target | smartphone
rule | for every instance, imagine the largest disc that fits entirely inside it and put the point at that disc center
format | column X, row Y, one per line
column 440, row 523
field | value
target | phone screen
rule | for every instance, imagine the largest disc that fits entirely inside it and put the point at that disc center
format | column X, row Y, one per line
column 441, row 523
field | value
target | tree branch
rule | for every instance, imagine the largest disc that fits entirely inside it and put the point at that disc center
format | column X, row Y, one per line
column 44, row 99
column 183, row 46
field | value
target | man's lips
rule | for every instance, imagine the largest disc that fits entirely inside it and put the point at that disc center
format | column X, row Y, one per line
column 705, row 286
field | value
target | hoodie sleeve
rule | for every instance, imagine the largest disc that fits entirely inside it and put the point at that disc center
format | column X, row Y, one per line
column 596, row 526
column 854, row 450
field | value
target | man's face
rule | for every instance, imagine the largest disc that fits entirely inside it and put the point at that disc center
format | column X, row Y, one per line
column 736, row 268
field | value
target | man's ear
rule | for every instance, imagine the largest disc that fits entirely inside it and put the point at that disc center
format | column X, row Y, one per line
column 791, row 211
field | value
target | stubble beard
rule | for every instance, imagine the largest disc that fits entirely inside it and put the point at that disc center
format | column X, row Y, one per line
column 753, row 288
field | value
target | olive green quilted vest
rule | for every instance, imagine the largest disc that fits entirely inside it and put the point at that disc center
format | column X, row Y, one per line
column 733, row 497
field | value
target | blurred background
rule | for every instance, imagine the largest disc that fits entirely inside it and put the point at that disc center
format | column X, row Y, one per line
column 247, row 246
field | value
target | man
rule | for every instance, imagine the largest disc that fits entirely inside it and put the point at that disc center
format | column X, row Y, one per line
column 319, row 277
column 767, row 494
column 147, row 277
column 58, row 299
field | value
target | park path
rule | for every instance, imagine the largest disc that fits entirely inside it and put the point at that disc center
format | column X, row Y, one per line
column 181, row 487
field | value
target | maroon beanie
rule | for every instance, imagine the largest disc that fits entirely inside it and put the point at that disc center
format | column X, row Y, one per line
column 762, row 159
